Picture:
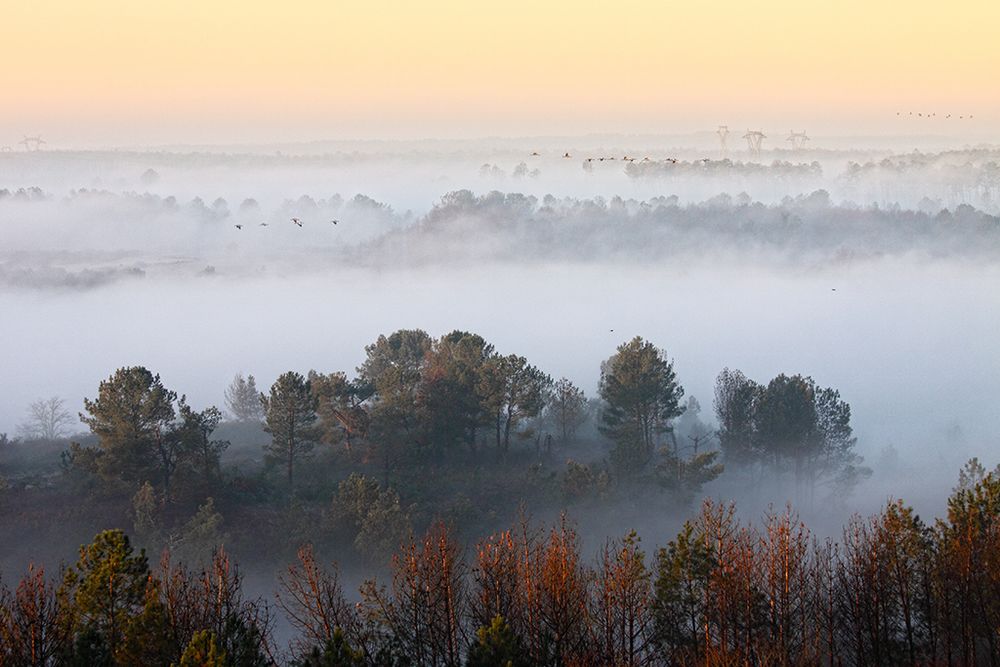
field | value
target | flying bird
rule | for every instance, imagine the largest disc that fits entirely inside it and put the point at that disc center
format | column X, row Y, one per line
column 566, row 154
column 238, row 226
column 297, row 221
column 335, row 221
column 535, row 153
column 263, row 224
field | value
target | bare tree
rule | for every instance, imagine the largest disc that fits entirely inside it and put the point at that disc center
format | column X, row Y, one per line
column 47, row 419
column 314, row 602
column 30, row 629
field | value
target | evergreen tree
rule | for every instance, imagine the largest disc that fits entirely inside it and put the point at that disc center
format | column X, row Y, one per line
column 243, row 399
column 640, row 389
column 496, row 645
column 735, row 396
column 194, row 433
column 335, row 652
column 106, row 591
column 203, row 651
column 131, row 418
column 566, row 409
column 513, row 391
column 290, row 412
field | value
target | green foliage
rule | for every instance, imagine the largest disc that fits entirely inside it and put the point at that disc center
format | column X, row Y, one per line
column 146, row 514
column 341, row 406
column 131, row 417
column 496, row 645
column 566, row 410
column 789, row 424
column 201, row 535
column 379, row 521
column 686, row 476
column 451, row 400
column 290, row 411
column 393, row 370
column 580, row 481
column 683, row 569
column 203, row 651
column 785, row 418
column 106, row 589
column 139, row 440
column 335, row 652
column 735, row 397
column 194, row 435
column 642, row 395
column 513, row 391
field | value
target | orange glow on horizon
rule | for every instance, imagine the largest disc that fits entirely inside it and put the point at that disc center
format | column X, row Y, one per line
column 406, row 68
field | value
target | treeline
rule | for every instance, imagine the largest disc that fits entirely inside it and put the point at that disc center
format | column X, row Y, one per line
column 420, row 400
column 426, row 429
column 517, row 228
column 415, row 400
column 893, row 590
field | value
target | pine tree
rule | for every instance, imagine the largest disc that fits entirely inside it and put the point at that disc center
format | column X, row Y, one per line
column 203, row 651
column 290, row 411
column 642, row 395
column 131, row 418
column 243, row 399
column 106, row 589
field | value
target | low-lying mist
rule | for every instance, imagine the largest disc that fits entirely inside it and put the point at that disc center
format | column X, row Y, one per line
column 870, row 271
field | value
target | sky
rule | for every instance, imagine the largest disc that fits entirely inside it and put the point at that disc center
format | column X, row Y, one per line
column 120, row 72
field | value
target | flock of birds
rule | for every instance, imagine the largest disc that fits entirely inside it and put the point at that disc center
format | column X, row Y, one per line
column 624, row 158
column 295, row 221
column 920, row 114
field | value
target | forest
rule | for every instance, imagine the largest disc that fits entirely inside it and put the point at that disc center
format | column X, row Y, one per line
column 420, row 480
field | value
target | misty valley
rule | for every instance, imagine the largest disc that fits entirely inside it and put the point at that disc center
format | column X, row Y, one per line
column 552, row 401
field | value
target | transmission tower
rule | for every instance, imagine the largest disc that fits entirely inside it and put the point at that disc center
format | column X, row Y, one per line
column 754, row 139
column 32, row 143
column 723, row 132
column 798, row 139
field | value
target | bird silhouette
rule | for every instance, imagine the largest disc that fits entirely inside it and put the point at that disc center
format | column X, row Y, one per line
column 535, row 153
column 238, row 226
column 566, row 154
column 297, row 221
column 263, row 224
column 334, row 221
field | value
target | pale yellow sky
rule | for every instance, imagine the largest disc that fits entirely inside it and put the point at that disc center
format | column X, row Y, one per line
column 117, row 71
